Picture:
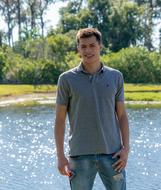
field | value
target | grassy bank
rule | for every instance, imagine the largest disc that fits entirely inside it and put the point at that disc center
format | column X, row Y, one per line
column 136, row 95
column 143, row 96
column 142, row 88
column 11, row 90
column 142, row 92
column 133, row 92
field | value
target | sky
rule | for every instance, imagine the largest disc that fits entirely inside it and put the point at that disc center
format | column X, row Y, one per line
column 52, row 15
column 51, row 18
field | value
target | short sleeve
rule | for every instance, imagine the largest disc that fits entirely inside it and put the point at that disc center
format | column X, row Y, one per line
column 62, row 96
column 119, row 97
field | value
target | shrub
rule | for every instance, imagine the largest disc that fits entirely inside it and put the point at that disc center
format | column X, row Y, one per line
column 135, row 64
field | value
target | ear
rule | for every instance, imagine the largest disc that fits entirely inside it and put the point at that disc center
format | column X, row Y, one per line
column 101, row 46
column 78, row 51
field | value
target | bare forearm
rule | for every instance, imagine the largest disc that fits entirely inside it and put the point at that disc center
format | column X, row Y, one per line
column 59, row 129
column 59, row 132
column 124, row 128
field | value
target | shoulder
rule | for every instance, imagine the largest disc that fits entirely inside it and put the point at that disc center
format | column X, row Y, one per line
column 67, row 77
column 113, row 72
column 68, row 74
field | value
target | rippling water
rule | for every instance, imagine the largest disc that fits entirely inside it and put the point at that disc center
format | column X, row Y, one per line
column 27, row 150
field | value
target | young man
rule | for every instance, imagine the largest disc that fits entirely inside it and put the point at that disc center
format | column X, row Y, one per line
column 93, row 96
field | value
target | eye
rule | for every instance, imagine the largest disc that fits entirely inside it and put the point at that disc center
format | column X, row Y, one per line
column 92, row 45
column 83, row 47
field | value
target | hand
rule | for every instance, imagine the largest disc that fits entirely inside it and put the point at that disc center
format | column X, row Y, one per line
column 120, row 164
column 63, row 166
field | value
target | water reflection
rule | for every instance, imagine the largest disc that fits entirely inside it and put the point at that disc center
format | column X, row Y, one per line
column 27, row 150
column 145, row 156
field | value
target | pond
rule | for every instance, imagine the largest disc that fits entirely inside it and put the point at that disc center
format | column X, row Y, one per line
column 27, row 150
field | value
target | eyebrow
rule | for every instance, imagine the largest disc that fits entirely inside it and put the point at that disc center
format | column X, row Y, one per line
column 89, row 44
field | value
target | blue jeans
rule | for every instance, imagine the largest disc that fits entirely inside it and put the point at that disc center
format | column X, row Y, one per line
column 85, row 168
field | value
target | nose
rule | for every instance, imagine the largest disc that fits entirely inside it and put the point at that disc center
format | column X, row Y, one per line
column 88, row 50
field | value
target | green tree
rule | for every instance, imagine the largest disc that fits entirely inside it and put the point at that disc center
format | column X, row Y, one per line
column 119, row 21
column 135, row 63
column 151, row 17
column 125, row 26
column 7, row 8
column 59, row 46
column 70, row 16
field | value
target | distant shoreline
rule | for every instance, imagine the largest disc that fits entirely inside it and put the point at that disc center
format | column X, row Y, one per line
column 28, row 99
column 50, row 98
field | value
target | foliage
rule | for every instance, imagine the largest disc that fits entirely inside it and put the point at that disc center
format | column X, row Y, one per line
column 123, row 23
column 120, row 22
column 43, row 66
column 156, row 59
column 32, row 48
column 137, row 65
column 72, row 59
column 59, row 46
column 16, row 69
column 125, row 27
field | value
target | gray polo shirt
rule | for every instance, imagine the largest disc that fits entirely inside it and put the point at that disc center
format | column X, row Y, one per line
column 90, row 101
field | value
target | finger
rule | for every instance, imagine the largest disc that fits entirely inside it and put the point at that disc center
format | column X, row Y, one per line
column 68, row 170
column 119, row 167
column 116, row 154
column 62, row 170
column 122, row 167
column 65, row 173
column 116, row 163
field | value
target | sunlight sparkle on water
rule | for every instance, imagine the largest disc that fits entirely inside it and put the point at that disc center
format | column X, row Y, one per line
column 29, row 154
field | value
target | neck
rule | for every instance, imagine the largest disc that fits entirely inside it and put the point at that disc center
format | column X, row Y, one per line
column 91, row 68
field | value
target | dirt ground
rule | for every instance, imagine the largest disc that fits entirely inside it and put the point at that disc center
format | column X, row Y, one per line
column 41, row 98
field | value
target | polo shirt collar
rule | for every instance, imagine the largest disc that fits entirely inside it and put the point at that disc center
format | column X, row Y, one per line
column 81, row 69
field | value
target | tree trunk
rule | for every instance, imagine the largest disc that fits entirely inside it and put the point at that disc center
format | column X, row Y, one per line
column 42, row 8
column 1, row 36
column 149, row 27
column 8, row 23
column 160, row 40
column 33, row 17
column 19, row 18
column 42, row 24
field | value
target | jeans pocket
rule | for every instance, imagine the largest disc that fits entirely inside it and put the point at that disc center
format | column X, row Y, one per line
column 73, row 174
column 71, row 178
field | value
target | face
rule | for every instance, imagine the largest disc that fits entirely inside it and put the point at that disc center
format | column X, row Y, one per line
column 89, row 50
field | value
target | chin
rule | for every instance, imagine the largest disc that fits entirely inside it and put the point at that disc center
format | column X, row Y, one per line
column 89, row 61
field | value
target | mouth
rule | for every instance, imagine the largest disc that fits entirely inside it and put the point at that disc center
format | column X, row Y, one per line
column 89, row 56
